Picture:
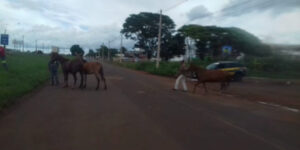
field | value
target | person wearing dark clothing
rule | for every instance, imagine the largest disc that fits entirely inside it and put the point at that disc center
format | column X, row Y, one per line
column 3, row 58
column 53, row 68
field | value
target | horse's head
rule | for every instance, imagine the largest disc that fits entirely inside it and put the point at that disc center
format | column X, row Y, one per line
column 195, row 68
column 54, row 57
column 57, row 57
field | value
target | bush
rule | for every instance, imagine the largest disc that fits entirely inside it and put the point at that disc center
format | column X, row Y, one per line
column 272, row 66
column 165, row 69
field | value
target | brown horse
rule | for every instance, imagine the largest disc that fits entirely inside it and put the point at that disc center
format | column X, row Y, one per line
column 204, row 76
column 96, row 69
column 70, row 66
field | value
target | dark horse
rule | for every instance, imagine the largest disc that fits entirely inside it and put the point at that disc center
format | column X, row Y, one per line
column 70, row 66
column 204, row 76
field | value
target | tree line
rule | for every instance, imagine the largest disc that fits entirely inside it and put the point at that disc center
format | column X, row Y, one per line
column 143, row 29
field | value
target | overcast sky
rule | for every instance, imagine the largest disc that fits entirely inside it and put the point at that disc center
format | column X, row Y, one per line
column 92, row 22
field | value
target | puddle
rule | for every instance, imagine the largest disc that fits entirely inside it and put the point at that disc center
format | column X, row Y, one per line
column 280, row 106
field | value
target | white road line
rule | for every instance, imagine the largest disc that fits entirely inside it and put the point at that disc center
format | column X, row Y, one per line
column 279, row 106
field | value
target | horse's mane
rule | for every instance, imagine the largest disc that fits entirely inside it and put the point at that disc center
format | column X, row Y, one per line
column 196, row 68
column 59, row 58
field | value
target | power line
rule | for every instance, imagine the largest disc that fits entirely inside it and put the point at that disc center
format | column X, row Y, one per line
column 176, row 5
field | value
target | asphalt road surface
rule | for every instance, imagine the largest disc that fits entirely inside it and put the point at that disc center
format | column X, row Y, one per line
column 140, row 112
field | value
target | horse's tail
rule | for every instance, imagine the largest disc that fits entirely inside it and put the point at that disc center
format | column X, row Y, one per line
column 101, row 72
column 102, row 76
column 228, row 76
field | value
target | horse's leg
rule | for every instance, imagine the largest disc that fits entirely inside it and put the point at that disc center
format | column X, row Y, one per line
column 98, row 80
column 85, row 80
column 81, row 79
column 204, row 85
column 228, row 83
column 65, row 80
column 223, row 84
column 195, row 86
column 75, row 79
column 103, row 79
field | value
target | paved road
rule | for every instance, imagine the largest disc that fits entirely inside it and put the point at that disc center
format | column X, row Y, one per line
column 139, row 111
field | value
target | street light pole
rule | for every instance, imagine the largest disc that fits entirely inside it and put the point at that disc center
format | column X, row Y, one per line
column 159, row 31
column 35, row 45
column 121, row 46
column 23, row 44
column 102, row 52
column 159, row 40
column 108, row 54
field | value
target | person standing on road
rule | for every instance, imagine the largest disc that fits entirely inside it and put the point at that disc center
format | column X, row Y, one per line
column 53, row 68
column 181, row 78
column 3, row 58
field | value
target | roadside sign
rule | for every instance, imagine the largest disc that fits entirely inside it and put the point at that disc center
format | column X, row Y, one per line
column 226, row 50
column 4, row 39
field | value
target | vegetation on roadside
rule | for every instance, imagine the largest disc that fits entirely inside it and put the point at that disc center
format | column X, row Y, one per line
column 165, row 69
column 211, row 39
column 273, row 66
column 26, row 72
column 268, row 67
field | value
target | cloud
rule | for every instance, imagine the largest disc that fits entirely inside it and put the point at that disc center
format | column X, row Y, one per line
column 240, row 7
column 198, row 12
column 93, row 22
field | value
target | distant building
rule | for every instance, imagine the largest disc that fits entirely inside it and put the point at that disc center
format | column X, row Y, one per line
column 55, row 49
column 190, row 49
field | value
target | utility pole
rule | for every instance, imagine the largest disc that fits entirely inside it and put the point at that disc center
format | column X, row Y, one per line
column 108, row 51
column 99, row 54
column 159, row 31
column 159, row 40
column 23, row 44
column 102, row 53
column 121, row 46
column 35, row 45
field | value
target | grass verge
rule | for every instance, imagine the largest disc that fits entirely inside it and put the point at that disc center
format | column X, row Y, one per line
column 26, row 72
column 171, row 68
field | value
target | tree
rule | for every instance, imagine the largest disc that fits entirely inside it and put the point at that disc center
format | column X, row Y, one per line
column 210, row 39
column 76, row 49
column 173, row 46
column 143, row 28
column 91, row 53
column 103, row 51
column 123, row 50
column 113, row 52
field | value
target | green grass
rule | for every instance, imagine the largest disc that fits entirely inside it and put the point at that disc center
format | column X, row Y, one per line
column 275, row 66
column 165, row 69
column 26, row 72
column 271, row 67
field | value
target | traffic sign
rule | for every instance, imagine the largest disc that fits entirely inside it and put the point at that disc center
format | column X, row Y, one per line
column 4, row 39
column 226, row 50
